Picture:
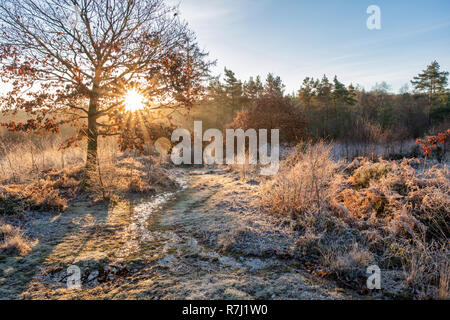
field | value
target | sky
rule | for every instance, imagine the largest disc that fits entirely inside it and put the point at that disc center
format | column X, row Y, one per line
column 297, row 38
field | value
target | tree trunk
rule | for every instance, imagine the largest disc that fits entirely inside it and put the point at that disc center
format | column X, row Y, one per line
column 92, row 135
column 91, row 161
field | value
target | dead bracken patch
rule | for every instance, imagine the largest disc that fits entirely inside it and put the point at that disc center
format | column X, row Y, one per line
column 15, row 199
column 384, row 212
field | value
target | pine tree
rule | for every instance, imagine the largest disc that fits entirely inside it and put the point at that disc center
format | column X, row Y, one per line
column 235, row 100
column 253, row 89
column 307, row 92
column 340, row 92
column 274, row 85
column 233, row 86
column 324, row 89
column 351, row 96
column 433, row 82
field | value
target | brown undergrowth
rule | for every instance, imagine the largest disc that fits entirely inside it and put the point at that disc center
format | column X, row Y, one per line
column 39, row 178
column 349, row 216
column 13, row 241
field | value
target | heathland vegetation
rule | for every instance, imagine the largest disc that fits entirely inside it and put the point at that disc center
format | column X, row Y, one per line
column 364, row 177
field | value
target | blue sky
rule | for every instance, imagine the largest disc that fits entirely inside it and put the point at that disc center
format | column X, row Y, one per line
column 295, row 38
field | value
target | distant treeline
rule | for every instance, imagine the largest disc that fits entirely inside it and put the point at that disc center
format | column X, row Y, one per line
column 330, row 109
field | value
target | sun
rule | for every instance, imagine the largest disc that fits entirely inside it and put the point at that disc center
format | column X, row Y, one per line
column 134, row 101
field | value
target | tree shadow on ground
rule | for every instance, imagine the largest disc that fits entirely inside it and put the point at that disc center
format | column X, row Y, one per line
column 84, row 234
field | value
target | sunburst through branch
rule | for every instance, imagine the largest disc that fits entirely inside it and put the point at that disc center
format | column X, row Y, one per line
column 134, row 101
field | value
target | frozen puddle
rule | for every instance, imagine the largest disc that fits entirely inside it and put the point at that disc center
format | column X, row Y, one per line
column 143, row 211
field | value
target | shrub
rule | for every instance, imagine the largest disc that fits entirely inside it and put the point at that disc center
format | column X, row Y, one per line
column 13, row 241
column 15, row 199
column 435, row 146
column 139, row 175
column 302, row 186
column 347, row 262
column 388, row 213
column 272, row 111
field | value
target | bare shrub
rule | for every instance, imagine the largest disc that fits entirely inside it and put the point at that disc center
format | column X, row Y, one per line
column 426, row 269
column 444, row 280
column 302, row 185
column 137, row 174
column 272, row 111
column 346, row 261
column 13, row 241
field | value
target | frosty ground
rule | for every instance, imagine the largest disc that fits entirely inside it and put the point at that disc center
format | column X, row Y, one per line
column 205, row 241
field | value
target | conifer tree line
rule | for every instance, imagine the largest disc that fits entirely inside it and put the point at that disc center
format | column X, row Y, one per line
column 329, row 108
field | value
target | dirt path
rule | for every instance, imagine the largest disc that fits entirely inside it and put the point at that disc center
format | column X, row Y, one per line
column 206, row 241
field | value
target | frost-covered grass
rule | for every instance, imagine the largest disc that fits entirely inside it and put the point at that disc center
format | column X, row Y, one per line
column 13, row 241
column 39, row 173
column 391, row 213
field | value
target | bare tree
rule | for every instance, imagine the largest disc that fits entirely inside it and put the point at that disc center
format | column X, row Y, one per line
column 72, row 62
